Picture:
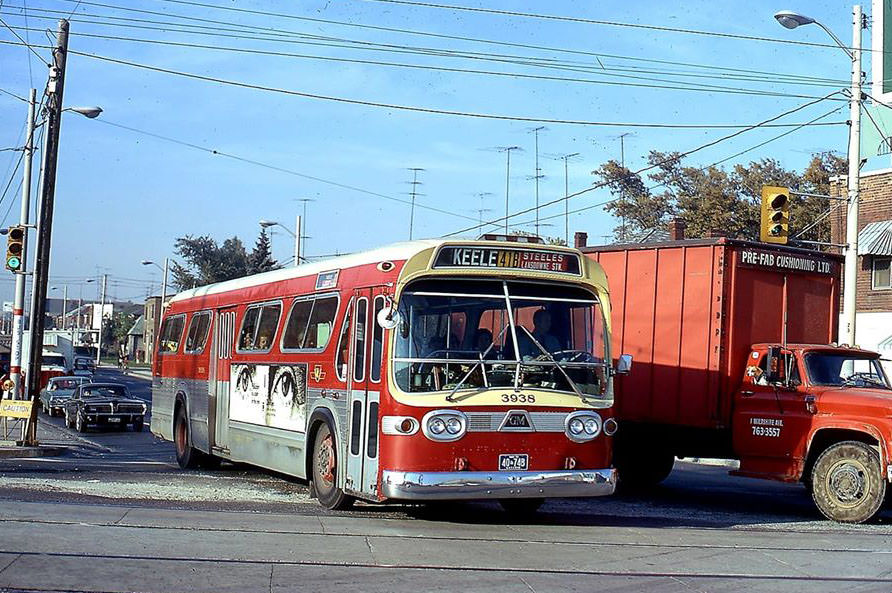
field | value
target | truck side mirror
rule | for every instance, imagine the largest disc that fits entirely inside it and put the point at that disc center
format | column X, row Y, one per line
column 775, row 369
column 624, row 364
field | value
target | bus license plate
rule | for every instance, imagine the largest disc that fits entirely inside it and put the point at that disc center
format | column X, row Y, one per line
column 514, row 462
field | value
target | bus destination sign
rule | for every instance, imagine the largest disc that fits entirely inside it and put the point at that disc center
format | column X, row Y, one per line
column 542, row 260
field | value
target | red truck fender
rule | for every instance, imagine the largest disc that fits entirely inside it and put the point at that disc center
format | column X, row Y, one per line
column 835, row 431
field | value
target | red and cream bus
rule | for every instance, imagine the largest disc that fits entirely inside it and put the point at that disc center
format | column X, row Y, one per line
column 420, row 371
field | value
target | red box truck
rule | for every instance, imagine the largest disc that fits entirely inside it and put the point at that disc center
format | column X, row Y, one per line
column 733, row 358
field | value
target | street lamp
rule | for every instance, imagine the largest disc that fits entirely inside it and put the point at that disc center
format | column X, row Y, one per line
column 791, row 20
column 90, row 112
column 268, row 223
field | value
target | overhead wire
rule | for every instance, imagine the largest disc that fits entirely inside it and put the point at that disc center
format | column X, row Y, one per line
column 703, row 168
column 282, row 169
column 698, row 88
column 447, row 36
column 677, row 156
column 441, row 52
column 414, row 108
column 25, row 43
column 551, row 17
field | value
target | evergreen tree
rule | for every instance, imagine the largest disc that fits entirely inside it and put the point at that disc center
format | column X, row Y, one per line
column 261, row 259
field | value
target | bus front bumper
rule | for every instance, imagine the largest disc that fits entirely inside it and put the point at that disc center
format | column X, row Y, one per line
column 483, row 485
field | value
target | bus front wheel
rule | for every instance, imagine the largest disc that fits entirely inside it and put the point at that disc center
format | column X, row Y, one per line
column 325, row 471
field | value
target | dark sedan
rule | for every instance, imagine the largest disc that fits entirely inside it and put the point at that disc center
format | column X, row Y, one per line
column 104, row 405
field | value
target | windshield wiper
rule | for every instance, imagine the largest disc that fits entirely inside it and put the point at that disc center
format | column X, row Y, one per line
column 548, row 355
column 481, row 364
column 865, row 378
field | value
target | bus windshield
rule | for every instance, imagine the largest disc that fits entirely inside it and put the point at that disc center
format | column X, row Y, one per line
column 479, row 335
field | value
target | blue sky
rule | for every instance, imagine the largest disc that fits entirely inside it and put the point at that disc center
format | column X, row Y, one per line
column 123, row 197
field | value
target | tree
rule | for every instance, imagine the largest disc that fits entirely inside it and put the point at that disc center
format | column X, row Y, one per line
column 115, row 328
column 208, row 262
column 713, row 199
column 261, row 258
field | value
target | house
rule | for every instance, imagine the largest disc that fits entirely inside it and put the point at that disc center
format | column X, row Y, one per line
column 873, row 308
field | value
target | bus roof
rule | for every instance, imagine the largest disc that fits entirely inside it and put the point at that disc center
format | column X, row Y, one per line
column 394, row 252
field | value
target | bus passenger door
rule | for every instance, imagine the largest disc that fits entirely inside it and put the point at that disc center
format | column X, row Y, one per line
column 221, row 358
column 363, row 386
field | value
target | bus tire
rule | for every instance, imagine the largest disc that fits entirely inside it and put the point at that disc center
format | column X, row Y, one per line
column 848, row 483
column 325, row 471
column 187, row 456
column 640, row 470
column 521, row 507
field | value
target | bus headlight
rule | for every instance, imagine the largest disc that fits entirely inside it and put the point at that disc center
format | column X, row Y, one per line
column 444, row 425
column 582, row 426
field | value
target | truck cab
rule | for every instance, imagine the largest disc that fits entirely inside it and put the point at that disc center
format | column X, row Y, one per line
column 817, row 414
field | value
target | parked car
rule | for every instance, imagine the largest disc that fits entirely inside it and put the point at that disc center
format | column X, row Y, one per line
column 104, row 405
column 57, row 392
column 83, row 367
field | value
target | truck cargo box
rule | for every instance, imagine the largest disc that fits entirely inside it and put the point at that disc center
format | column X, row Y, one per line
column 688, row 312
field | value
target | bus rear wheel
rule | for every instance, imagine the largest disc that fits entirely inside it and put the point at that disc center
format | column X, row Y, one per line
column 187, row 457
column 325, row 471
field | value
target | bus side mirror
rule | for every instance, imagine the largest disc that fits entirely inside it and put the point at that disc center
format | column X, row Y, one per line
column 388, row 317
column 775, row 370
column 624, row 364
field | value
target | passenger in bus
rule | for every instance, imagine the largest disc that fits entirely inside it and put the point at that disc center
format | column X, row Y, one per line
column 542, row 333
column 482, row 341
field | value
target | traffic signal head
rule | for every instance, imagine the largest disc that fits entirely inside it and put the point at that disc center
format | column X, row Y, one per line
column 15, row 245
column 775, row 224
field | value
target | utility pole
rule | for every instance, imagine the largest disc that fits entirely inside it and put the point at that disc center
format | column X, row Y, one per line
column 18, row 306
column 538, row 175
column 414, row 183
column 302, row 235
column 622, row 189
column 298, row 228
column 566, row 159
column 101, row 318
column 481, row 210
column 850, row 277
column 507, row 150
column 55, row 87
column 64, row 304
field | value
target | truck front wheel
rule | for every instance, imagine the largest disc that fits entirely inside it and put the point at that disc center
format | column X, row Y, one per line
column 847, row 482
column 640, row 469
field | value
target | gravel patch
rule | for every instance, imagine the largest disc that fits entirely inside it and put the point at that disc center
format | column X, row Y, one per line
column 172, row 490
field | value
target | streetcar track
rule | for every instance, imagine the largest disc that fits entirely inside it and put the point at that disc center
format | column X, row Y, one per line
column 446, row 538
column 480, row 569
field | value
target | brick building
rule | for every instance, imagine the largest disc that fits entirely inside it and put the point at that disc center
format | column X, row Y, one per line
column 873, row 318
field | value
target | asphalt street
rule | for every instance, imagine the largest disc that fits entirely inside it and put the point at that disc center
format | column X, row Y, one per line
column 116, row 514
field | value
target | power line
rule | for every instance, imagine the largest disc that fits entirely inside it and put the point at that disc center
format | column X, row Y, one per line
column 459, row 37
column 515, row 60
column 25, row 43
column 279, row 169
column 704, row 168
column 606, row 23
column 417, row 109
column 774, row 76
column 761, row 124
column 697, row 88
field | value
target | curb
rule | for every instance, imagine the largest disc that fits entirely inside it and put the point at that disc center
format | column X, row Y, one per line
column 39, row 451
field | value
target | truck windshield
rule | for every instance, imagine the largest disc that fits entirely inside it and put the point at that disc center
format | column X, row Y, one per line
column 480, row 335
column 826, row 368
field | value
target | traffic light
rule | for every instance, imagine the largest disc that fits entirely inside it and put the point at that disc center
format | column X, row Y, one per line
column 775, row 214
column 15, row 244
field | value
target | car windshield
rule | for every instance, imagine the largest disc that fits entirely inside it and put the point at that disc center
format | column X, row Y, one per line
column 82, row 365
column 826, row 368
column 104, row 391
column 68, row 384
column 479, row 335
column 58, row 361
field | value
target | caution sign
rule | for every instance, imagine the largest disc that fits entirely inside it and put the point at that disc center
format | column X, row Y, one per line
column 15, row 408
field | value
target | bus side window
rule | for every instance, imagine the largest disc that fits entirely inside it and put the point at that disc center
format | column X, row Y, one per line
column 197, row 335
column 344, row 344
column 171, row 334
column 259, row 327
column 249, row 328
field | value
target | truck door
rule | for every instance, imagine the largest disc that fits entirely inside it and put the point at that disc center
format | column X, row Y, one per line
column 218, row 380
column 771, row 421
column 363, row 387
